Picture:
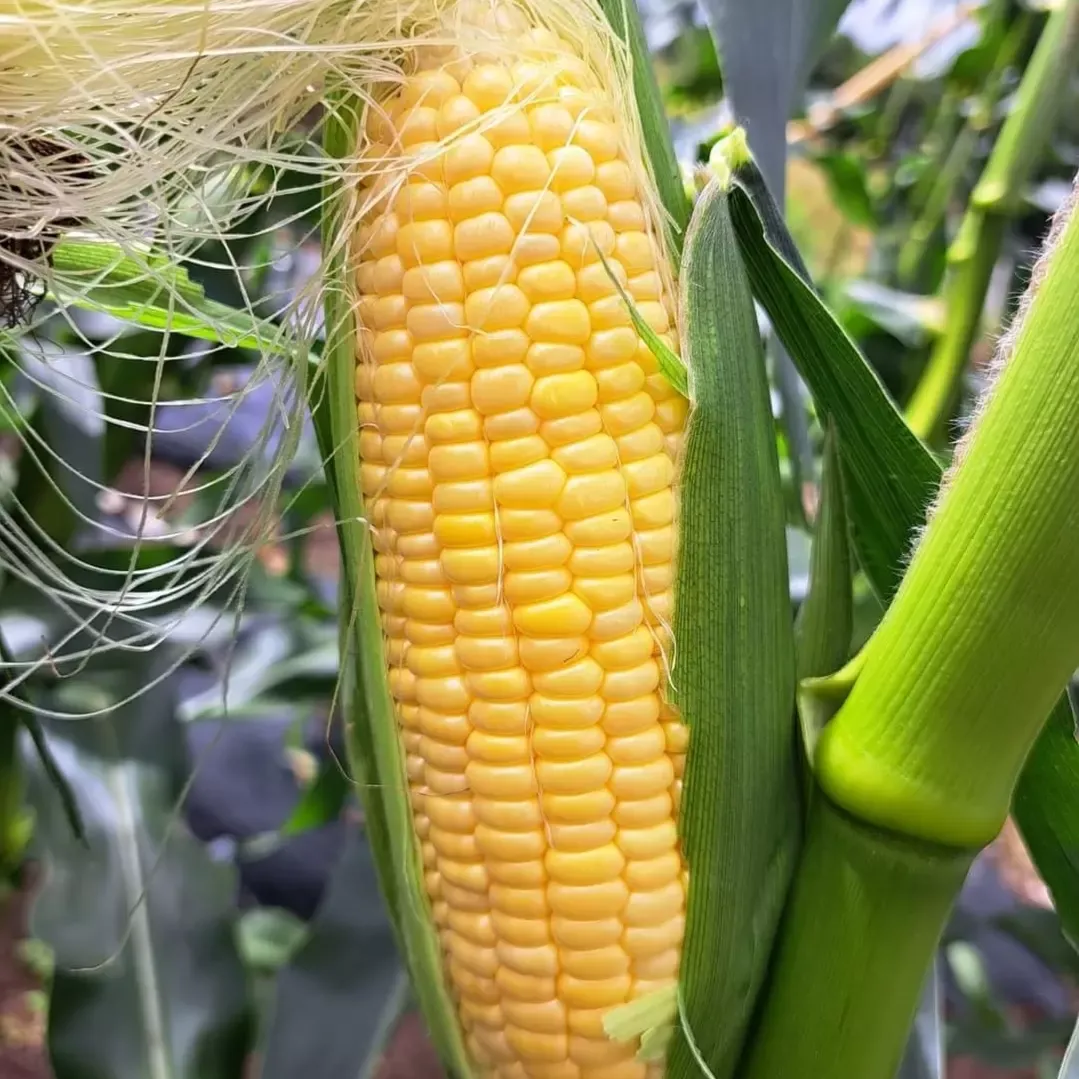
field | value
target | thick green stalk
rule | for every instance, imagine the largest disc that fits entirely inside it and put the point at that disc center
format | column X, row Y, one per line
column 924, row 754
column 866, row 910
column 1019, row 148
column 984, row 631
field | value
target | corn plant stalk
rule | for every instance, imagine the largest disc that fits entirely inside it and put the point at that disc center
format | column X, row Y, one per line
column 956, row 154
column 976, row 248
column 917, row 769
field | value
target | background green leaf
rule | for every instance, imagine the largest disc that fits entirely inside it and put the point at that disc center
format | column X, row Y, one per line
column 338, row 999
column 148, row 979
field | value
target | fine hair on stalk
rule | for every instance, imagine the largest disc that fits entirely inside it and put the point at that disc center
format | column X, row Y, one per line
column 1006, row 345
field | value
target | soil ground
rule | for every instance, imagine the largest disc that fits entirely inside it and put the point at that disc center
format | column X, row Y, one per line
column 22, row 1026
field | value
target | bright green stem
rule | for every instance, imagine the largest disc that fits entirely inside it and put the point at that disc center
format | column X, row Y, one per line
column 936, row 393
column 937, row 146
column 954, row 165
column 1018, row 149
column 984, row 631
column 957, row 152
column 866, row 912
column 895, row 104
column 1030, row 124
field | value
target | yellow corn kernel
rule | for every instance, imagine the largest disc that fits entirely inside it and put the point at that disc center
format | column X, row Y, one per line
column 518, row 448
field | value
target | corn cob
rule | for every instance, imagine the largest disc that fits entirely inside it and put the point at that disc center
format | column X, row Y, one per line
column 518, row 449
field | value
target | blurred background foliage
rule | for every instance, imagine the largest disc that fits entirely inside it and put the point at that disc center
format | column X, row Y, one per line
column 219, row 912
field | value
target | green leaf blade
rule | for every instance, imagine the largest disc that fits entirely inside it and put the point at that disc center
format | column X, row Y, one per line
column 877, row 444
column 141, row 920
column 825, row 621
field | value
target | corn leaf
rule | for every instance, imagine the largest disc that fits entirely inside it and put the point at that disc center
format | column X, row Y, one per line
column 140, row 919
column 734, row 678
column 825, row 620
column 889, row 479
column 322, row 802
column 766, row 50
column 1046, row 808
column 376, row 756
column 625, row 20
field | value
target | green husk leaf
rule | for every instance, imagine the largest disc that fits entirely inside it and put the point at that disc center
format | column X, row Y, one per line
column 625, row 20
column 376, row 756
column 823, row 628
column 734, row 678
column 149, row 290
column 889, row 480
